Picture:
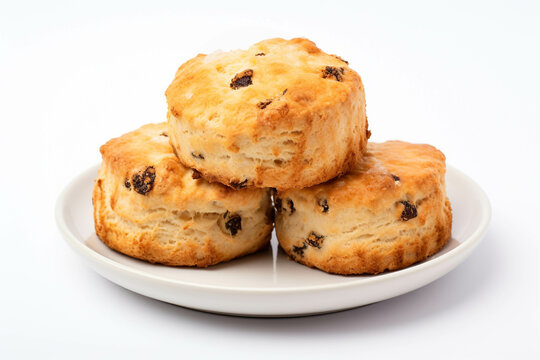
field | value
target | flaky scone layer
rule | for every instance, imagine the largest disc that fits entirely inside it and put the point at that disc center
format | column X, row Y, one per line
column 280, row 114
column 148, row 205
column 388, row 212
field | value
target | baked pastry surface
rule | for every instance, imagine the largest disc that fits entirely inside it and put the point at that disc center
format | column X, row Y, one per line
column 388, row 212
column 149, row 206
column 280, row 114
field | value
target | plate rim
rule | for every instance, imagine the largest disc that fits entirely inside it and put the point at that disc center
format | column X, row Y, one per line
column 466, row 245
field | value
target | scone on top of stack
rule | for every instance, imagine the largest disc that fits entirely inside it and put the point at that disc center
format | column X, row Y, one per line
column 388, row 212
column 149, row 206
column 281, row 114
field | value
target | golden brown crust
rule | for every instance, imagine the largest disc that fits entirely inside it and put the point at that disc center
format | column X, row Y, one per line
column 290, row 118
column 387, row 213
column 148, row 206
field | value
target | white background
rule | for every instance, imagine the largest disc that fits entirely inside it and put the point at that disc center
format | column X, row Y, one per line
column 463, row 76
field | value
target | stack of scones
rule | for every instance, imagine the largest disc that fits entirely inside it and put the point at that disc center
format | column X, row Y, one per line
column 272, row 136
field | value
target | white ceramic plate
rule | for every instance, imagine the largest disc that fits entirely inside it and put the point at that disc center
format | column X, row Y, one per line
column 268, row 283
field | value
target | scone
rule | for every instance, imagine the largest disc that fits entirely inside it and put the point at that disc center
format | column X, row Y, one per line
column 149, row 206
column 280, row 114
column 388, row 212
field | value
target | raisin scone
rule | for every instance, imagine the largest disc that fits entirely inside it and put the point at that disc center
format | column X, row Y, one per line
column 149, row 206
column 280, row 114
column 388, row 212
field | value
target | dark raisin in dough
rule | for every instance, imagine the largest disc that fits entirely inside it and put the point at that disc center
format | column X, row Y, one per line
column 330, row 71
column 278, row 204
column 263, row 104
column 324, row 204
column 127, row 183
column 299, row 249
column 197, row 155
column 284, row 91
column 164, row 134
column 395, row 177
column 260, row 54
column 143, row 182
column 233, row 224
column 291, row 206
column 368, row 134
column 239, row 185
column 409, row 212
column 242, row 79
column 315, row 240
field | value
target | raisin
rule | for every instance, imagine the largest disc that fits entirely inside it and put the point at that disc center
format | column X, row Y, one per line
column 341, row 59
column 239, row 185
column 299, row 249
column 395, row 177
column 127, row 183
column 330, row 71
column 263, row 104
column 260, row 54
column 242, row 79
column 315, row 240
column 197, row 155
column 164, row 134
column 409, row 212
column 324, row 204
column 143, row 182
column 278, row 205
column 368, row 134
column 196, row 174
column 233, row 224
column 291, row 205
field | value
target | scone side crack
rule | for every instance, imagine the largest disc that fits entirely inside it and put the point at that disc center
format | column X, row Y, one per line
column 242, row 79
